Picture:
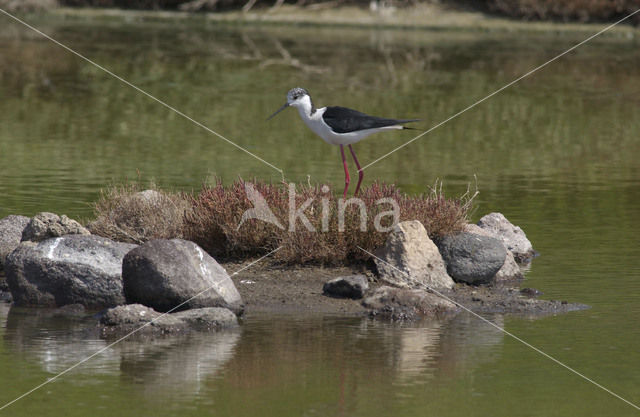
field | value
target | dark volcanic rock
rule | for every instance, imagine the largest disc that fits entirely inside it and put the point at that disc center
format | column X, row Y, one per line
column 353, row 286
column 510, row 270
column 11, row 228
column 530, row 292
column 406, row 304
column 165, row 273
column 471, row 258
column 512, row 236
column 73, row 269
column 47, row 225
column 127, row 318
column 208, row 318
column 501, row 299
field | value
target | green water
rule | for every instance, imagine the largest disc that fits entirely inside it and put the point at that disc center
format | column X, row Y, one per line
column 558, row 154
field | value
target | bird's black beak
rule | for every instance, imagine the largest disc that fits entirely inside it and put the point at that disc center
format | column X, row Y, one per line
column 278, row 111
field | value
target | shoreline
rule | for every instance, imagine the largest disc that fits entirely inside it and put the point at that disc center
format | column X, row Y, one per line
column 297, row 290
column 432, row 18
column 270, row 289
column 53, row 261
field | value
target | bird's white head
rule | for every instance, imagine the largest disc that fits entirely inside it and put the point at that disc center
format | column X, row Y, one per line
column 297, row 97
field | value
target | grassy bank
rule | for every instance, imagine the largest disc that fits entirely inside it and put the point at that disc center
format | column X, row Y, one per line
column 215, row 219
column 562, row 10
column 420, row 16
column 426, row 15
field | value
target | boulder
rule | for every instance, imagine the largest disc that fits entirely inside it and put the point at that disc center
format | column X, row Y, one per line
column 135, row 315
column 149, row 196
column 163, row 274
column 403, row 303
column 73, row 269
column 47, row 225
column 207, row 318
column 471, row 258
column 132, row 317
column 11, row 228
column 512, row 236
column 353, row 286
column 410, row 259
column 510, row 270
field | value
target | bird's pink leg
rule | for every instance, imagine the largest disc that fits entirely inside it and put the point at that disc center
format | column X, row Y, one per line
column 360, row 173
column 347, row 180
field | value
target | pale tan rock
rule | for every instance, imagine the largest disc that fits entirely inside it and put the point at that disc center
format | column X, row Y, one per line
column 512, row 236
column 410, row 259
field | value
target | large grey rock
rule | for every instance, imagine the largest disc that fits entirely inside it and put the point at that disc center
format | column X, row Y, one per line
column 126, row 318
column 510, row 270
column 72, row 269
column 471, row 258
column 403, row 303
column 11, row 228
column 165, row 273
column 47, row 225
column 353, row 286
column 512, row 236
column 410, row 259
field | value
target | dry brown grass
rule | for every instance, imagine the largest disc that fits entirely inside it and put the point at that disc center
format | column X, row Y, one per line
column 127, row 214
column 211, row 218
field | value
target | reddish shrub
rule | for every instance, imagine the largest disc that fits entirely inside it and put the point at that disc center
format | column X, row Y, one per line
column 218, row 210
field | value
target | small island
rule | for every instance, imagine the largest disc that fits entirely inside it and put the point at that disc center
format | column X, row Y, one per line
column 162, row 263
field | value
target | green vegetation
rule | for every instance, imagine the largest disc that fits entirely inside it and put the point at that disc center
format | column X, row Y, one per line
column 213, row 218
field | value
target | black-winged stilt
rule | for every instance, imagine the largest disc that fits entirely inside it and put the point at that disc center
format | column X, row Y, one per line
column 339, row 126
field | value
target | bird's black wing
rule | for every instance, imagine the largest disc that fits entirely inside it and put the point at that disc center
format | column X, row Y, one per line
column 344, row 120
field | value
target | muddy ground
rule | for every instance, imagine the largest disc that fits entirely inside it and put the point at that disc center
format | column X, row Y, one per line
column 282, row 290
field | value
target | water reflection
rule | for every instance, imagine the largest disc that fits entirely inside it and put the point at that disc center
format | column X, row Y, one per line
column 420, row 351
column 268, row 352
column 176, row 365
column 272, row 352
column 55, row 341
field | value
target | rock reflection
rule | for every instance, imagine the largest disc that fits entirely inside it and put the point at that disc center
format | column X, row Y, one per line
column 4, row 312
column 174, row 365
column 57, row 340
column 439, row 348
column 350, row 351
column 337, row 357
column 467, row 342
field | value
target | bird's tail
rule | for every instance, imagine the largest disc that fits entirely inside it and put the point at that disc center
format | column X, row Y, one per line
column 409, row 121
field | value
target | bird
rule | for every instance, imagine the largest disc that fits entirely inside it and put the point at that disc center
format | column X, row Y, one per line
column 340, row 126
